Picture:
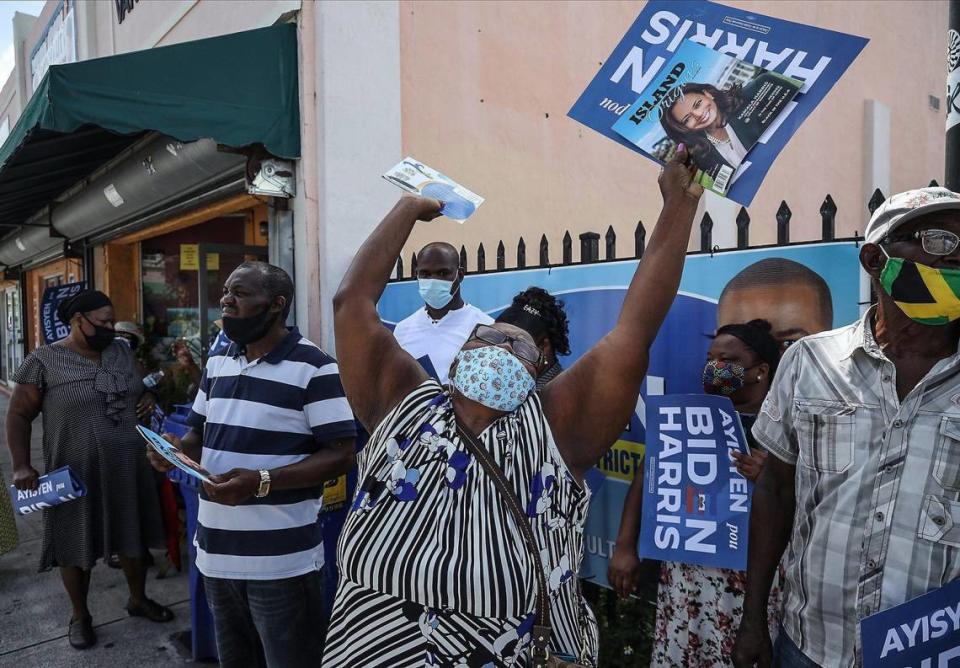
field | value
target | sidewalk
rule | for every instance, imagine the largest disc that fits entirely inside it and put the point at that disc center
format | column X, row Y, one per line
column 34, row 610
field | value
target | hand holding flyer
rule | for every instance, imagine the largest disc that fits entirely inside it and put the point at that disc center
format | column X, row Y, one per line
column 415, row 177
column 717, row 105
column 173, row 454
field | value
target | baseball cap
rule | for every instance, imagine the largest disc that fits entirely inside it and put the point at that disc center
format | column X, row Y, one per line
column 127, row 327
column 906, row 206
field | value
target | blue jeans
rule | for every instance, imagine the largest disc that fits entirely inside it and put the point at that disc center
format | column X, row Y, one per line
column 268, row 623
column 786, row 654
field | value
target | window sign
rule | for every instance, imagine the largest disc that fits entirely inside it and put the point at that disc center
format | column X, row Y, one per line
column 58, row 44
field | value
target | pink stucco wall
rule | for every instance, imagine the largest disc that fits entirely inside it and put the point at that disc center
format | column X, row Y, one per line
column 486, row 87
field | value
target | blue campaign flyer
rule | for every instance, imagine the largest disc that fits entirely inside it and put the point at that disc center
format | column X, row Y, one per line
column 922, row 633
column 814, row 56
column 718, row 106
column 696, row 506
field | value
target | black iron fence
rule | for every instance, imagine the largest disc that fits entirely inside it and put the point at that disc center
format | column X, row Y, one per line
column 590, row 241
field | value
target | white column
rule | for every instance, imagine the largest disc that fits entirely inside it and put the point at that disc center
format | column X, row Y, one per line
column 876, row 154
column 357, row 126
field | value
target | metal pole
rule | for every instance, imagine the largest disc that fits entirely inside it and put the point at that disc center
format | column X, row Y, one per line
column 952, row 165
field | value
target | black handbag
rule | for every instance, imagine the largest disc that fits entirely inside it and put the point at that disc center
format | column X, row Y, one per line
column 541, row 624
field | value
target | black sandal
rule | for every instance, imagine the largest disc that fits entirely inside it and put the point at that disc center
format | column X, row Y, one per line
column 151, row 610
column 80, row 633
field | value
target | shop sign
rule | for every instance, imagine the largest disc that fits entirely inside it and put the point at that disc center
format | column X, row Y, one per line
column 57, row 46
column 190, row 258
column 124, row 7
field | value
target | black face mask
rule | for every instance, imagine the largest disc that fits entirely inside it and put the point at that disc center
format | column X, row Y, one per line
column 247, row 330
column 102, row 336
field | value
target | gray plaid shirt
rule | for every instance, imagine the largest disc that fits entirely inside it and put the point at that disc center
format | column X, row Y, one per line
column 877, row 485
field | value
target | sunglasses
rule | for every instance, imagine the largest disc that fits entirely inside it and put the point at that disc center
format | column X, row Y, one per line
column 934, row 242
column 524, row 350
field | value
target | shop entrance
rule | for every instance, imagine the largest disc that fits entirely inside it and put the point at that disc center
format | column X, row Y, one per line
column 215, row 262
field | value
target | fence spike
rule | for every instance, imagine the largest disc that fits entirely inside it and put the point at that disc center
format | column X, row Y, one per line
column 784, row 214
column 876, row 199
column 706, row 232
column 544, row 251
column 481, row 258
column 501, row 256
column 611, row 242
column 589, row 247
column 567, row 248
column 521, row 254
column 639, row 240
column 934, row 184
column 399, row 267
column 828, row 217
column 413, row 266
column 463, row 258
column 743, row 228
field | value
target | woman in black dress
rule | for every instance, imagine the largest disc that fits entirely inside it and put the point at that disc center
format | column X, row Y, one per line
column 89, row 389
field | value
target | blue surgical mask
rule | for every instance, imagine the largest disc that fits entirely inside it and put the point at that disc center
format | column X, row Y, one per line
column 492, row 376
column 435, row 292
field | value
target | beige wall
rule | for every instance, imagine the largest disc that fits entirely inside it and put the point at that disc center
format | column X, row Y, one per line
column 486, row 87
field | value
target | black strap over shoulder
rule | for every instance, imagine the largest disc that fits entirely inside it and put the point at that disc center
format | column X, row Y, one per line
column 541, row 624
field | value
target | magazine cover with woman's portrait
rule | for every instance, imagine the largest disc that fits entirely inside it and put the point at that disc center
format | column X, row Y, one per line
column 715, row 104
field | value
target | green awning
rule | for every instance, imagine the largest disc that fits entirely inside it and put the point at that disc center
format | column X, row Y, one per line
column 239, row 90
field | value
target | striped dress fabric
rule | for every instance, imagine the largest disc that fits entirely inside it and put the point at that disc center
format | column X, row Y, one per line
column 271, row 412
column 433, row 568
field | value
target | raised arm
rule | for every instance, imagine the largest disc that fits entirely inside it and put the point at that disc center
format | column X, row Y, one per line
column 589, row 404
column 375, row 371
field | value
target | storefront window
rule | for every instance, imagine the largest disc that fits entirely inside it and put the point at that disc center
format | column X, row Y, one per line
column 171, row 303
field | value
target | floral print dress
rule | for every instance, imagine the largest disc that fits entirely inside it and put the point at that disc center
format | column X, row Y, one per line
column 698, row 613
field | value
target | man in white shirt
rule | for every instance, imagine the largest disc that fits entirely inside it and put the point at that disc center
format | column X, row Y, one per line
column 435, row 333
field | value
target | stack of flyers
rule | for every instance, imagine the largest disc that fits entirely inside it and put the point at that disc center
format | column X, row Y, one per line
column 715, row 104
column 415, row 177
column 174, row 455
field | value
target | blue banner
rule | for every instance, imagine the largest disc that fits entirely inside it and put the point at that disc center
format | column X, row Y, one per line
column 922, row 633
column 53, row 488
column 696, row 505
column 799, row 288
column 815, row 56
column 54, row 330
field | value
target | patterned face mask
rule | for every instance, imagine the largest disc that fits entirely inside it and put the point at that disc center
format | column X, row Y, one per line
column 724, row 378
column 493, row 377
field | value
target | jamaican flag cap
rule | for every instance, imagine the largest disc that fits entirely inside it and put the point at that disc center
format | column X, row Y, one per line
column 927, row 295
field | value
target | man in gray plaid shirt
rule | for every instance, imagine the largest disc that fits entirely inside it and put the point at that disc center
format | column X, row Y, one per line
column 863, row 423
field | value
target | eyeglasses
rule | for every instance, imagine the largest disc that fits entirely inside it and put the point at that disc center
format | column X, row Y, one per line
column 935, row 242
column 523, row 349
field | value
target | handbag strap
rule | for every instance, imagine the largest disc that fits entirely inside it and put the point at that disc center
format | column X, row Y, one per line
column 541, row 623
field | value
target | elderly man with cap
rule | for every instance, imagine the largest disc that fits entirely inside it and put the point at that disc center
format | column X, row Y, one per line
column 863, row 425
column 89, row 390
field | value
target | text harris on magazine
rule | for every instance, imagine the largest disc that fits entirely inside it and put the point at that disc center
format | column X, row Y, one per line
column 668, row 27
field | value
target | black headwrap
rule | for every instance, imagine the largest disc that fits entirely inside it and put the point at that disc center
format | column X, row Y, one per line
column 757, row 336
column 527, row 318
column 82, row 302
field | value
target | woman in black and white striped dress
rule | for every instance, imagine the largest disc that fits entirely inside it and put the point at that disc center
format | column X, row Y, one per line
column 433, row 567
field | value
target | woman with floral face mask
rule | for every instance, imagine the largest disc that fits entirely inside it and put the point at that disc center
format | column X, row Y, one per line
column 699, row 608
column 435, row 567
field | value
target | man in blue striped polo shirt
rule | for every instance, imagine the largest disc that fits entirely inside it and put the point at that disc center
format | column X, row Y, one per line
column 274, row 425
